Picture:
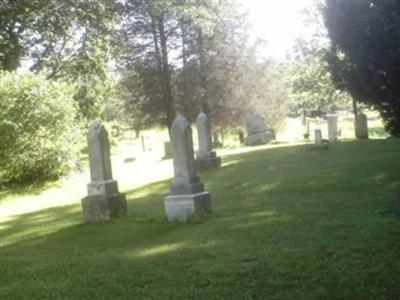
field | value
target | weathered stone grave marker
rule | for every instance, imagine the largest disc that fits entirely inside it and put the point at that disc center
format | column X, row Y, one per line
column 104, row 201
column 320, row 143
column 361, row 126
column 257, row 133
column 332, row 128
column 187, row 195
column 167, row 150
column 318, row 137
column 206, row 158
column 216, row 141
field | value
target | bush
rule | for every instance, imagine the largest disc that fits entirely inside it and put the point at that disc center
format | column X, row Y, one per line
column 39, row 133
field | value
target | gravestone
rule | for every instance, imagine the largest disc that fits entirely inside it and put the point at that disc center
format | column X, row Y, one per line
column 361, row 126
column 241, row 136
column 257, row 133
column 206, row 158
column 318, row 137
column 216, row 142
column 167, row 150
column 103, row 201
column 320, row 143
column 332, row 128
column 187, row 195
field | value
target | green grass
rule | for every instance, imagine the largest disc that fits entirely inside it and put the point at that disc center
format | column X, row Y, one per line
column 288, row 223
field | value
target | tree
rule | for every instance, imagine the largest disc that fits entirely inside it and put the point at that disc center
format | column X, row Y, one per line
column 207, row 63
column 183, row 83
column 146, row 39
column 307, row 71
column 65, row 40
column 39, row 133
column 309, row 79
column 364, row 58
column 50, row 33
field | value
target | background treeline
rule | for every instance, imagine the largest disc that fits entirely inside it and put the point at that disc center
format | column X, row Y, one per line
column 140, row 63
column 137, row 62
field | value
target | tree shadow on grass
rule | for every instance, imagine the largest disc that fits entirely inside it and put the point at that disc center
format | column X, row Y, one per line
column 264, row 172
column 287, row 223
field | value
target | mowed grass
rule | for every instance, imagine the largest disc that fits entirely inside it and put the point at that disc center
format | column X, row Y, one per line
column 288, row 223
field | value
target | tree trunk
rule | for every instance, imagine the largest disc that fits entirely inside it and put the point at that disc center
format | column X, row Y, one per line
column 155, row 41
column 166, row 74
column 203, row 75
column 185, row 87
column 160, row 47
column 355, row 108
column 11, row 60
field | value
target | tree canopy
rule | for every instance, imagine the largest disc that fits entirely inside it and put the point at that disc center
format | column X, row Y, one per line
column 191, row 56
column 365, row 57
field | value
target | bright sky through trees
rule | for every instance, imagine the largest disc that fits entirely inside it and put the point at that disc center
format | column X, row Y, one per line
column 280, row 22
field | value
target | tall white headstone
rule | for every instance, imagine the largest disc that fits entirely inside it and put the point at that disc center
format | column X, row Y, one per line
column 332, row 128
column 187, row 195
column 206, row 158
column 318, row 137
column 104, row 201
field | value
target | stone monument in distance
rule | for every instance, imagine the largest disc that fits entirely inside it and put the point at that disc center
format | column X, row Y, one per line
column 257, row 133
column 320, row 143
column 206, row 158
column 187, row 195
column 361, row 126
column 103, row 201
column 332, row 128
column 167, row 150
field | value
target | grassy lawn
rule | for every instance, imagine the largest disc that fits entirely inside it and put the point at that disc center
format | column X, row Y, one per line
column 288, row 223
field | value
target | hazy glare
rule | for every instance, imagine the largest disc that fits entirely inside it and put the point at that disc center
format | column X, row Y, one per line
column 280, row 22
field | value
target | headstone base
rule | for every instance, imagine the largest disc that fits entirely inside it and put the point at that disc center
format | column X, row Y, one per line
column 209, row 160
column 98, row 208
column 106, row 187
column 323, row 146
column 179, row 187
column 181, row 207
column 260, row 138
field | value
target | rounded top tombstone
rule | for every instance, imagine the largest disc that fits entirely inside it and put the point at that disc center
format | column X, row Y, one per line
column 180, row 124
column 255, row 124
column 99, row 152
column 204, row 133
column 95, row 126
column 202, row 117
column 182, row 149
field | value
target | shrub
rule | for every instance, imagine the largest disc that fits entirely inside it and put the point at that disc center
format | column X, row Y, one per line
column 39, row 133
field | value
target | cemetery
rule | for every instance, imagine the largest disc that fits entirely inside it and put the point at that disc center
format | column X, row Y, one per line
column 179, row 173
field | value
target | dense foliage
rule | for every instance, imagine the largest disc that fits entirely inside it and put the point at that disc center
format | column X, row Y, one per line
column 193, row 56
column 38, row 131
column 307, row 71
column 141, row 62
column 310, row 80
column 365, row 55
column 66, row 40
